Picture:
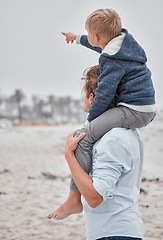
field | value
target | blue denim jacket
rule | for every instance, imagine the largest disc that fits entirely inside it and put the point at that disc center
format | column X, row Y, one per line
column 125, row 72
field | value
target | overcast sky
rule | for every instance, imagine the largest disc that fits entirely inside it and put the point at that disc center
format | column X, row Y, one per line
column 35, row 57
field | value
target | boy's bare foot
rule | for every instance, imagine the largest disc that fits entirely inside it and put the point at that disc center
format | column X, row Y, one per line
column 72, row 205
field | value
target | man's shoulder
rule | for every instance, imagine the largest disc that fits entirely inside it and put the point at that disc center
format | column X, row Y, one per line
column 122, row 136
column 121, row 133
column 119, row 142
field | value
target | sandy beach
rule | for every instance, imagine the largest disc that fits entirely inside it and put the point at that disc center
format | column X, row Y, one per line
column 28, row 194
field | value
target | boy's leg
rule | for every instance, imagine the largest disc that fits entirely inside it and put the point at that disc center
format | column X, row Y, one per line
column 83, row 154
column 116, row 117
column 72, row 205
column 94, row 130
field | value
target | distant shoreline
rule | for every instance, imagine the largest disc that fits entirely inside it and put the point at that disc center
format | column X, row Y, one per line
column 23, row 124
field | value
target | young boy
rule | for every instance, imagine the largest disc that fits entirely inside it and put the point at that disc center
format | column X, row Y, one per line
column 123, row 69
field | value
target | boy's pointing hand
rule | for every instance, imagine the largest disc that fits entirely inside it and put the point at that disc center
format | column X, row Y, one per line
column 70, row 37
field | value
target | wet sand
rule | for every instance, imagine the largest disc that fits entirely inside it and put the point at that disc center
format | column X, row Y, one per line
column 28, row 194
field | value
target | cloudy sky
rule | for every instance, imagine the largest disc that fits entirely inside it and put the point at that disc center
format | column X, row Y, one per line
column 35, row 57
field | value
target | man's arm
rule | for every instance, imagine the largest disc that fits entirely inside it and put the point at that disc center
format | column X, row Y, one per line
column 81, row 178
column 113, row 158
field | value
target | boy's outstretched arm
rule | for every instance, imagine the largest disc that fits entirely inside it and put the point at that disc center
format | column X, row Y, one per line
column 84, row 42
column 70, row 37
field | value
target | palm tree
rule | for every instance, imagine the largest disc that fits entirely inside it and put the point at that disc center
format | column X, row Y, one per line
column 52, row 102
column 17, row 98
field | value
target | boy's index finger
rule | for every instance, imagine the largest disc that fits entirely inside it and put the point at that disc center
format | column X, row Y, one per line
column 64, row 34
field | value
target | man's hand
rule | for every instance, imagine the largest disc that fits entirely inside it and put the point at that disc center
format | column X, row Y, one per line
column 72, row 142
column 70, row 37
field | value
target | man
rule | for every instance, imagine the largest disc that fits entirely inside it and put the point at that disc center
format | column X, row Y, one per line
column 111, row 192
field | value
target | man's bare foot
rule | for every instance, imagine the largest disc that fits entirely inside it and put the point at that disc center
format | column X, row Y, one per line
column 72, row 205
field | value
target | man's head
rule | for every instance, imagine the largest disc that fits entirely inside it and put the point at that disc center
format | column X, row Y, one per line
column 90, row 76
column 103, row 25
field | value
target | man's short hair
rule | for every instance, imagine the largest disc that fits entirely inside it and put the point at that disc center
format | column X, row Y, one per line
column 90, row 75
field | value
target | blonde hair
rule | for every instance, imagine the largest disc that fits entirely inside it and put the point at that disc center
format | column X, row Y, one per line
column 105, row 23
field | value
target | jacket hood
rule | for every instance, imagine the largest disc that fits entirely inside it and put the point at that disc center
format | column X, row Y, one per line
column 125, row 47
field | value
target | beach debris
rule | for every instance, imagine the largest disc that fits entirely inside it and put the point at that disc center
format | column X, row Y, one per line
column 5, row 171
column 143, row 191
column 147, row 206
column 151, row 179
column 51, row 176
column 4, row 193
column 144, row 205
column 32, row 178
